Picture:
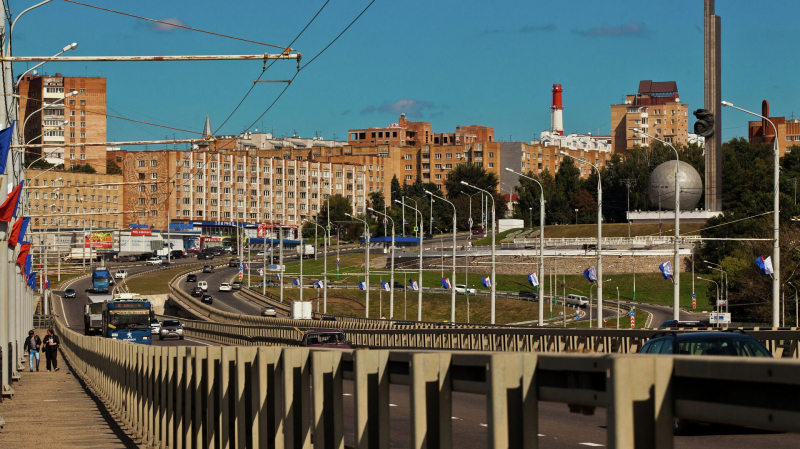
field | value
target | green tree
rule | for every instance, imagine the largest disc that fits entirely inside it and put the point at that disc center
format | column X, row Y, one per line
column 395, row 189
column 458, row 193
column 112, row 168
column 586, row 205
column 83, row 168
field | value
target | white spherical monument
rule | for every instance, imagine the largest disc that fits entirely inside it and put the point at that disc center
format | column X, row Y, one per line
column 661, row 186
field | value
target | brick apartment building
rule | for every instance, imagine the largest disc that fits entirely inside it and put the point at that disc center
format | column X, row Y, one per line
column 85, row 114
column 538, row 157
column 411, row 133
column 656, row 109
column 761, row 132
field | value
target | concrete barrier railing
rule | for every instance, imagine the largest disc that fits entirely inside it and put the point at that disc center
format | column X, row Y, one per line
column 292, row 397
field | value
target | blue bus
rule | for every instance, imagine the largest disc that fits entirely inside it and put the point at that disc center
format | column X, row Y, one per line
column 127, row 320
column 100, row 277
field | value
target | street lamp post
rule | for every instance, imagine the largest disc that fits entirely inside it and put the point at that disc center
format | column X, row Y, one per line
column 541, row 244
column 796, row 315
column 67, row 48
column 716, row 322
column 724, row 279
column 599, row 237
column 494, row 255
column 576, row 216
column 391, row 266
column 453, row 283
column 676, row 268
column 776, row 251
column 419, row 281
column 366, row 263
column 324, row 269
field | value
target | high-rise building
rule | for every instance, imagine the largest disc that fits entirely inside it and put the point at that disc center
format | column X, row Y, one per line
column 656, row 109
column 44, row 108
column 410, row 133
column 761, row 132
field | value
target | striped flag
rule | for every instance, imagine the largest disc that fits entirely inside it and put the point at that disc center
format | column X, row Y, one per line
column 362, row 286
column 487, row 282
column 385, row 285
column 414, row 285
column 445, row 283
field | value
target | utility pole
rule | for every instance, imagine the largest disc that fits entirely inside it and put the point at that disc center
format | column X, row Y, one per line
column 794, row 181
column 628, row 182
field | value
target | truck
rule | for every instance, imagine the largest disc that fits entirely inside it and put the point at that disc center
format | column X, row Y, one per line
column 100, row 280
column 81, row 254
column 306, row 251
column 93, row 314
column 301, row 310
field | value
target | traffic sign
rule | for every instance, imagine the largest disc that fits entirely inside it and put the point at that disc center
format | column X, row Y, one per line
column 416, row 229
column 633, row 323
column 605, row 320
column 328, row 227
column 694, row 296
column 633, row 313
column 240, row 275
column 694, row 303
column 577, row 316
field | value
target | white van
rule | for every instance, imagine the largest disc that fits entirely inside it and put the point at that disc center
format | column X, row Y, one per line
column 577, row 300
column 203, row 285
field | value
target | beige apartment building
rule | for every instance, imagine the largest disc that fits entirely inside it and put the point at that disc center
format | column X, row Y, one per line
column 657, row 110
column 85, row 114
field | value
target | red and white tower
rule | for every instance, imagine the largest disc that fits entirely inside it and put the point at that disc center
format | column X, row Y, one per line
column 556, row 119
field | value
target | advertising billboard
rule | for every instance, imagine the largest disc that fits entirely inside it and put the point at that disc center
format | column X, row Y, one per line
column 99, row 241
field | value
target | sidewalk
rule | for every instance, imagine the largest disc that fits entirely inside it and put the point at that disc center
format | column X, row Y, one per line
column 55, row 409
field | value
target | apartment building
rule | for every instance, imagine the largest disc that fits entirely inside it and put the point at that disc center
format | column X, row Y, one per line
column 538, row 157
column 412, row 133
column 657, row 110
column 761, row 132
column 44, row 108
column 72, row 200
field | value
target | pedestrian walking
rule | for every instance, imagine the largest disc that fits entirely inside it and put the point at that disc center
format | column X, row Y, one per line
column 51, row 343
column 32, row 345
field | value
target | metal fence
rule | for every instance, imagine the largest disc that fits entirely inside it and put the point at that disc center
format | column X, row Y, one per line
column 44, row 321
column 292, row 397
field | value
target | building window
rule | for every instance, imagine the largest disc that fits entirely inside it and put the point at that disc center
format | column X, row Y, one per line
column 83, row 102
column 153, row 162
column 152, row 175
column 83, row 113
column 83, row 156
column 83, row 135
column 72, row 156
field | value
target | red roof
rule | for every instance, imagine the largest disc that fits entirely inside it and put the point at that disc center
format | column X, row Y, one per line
column 652, row 87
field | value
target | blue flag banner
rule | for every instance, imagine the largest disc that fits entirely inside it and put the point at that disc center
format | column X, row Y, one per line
column 765, row 265
column 296, row 281
column 278, row 276
column 362, row 286
column 5, row 146
column 533, row 280
column 666, row 270
column 385, row 286
column 320, row 284
column 414, row 285
column 487, row 282
column 445, row 283
column 590, row 274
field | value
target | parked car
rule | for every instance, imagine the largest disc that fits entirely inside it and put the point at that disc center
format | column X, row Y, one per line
column 191, row 278
column 234, row 262
column 155, row 326
column 734, row 344
column 203, row 285
column 129, row 258
column 177, row 254
column 402, row 323
column 462, row 290
column 197, row 291
column 237, row 285
column 154, row 261
column 207, row 299
column 399, row 285
column 528, row 295
column 70, row 293
column 205, row 256
column 328, row 318
column 227, row 250
column 208, row 268
column 225, row 287
column 170, row 328
column 325, row 338
column 121, row 274
column 269, row 311
column 675, row 324
column 427, row 236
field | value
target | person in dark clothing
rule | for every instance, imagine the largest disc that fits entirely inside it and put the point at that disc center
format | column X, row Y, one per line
column 32, row 345
column 51, row 343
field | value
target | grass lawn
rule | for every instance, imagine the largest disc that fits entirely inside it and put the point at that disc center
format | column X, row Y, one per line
column 616, row 230
column 64, row 278
column 435, row 306
column 153, row 283
column 486, row 241
column 624, row 323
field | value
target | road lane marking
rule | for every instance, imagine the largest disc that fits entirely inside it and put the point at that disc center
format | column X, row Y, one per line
column 198, row 341
column 592, row 444
column 63, row 311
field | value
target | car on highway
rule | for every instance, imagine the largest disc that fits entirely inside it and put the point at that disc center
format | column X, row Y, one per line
column 234, row 262
column 708, row 343
column 427, row 236
column 225, row 287
column 462, row 290
column 528, row 295
column 169, row 329
column 262, row 254
column 325, row 338
column 144, row 256
column 130, row 258
column 155, row 326
column 270, row 283
column 208, row 268
column 203, row 285
column 191, row 278
column 445, row 323
column 237, row 285
column 477, row 231
column 70, row 293
column 197, row 291
column 154, row 261
column 111, row 281
column 177, row 254
column 675, row 324
column 207, row 299
column 205, row 256
column 269, row 311
column 121, row 274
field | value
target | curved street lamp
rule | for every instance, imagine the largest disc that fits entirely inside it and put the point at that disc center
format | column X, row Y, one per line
column 453, row 283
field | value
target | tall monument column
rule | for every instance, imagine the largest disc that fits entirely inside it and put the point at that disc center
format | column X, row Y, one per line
column 713, row 97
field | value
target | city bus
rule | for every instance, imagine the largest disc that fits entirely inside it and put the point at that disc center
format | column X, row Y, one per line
column 127, row 320
column 100, row 277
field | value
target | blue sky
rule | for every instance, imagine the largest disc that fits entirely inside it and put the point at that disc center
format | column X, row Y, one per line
column 449, row 62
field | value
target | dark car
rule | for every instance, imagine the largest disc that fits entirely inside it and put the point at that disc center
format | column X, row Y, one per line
column 427, row 236
column 207, row 299
column 675, row 324
column 399, row 286
column 70, row 293
column 177, row 254
column 402, row 323
column 328, row 318
column 129, row 258
column 478, row 231
column 234, row 262
column 709, row 343
column 205, row 256
column 191, row 278
column 197, row 291
column 208, row 268
column 325, row 338
column 528, row 295
column 145, row 256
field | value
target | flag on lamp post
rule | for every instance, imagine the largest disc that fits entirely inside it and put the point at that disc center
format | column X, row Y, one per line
column 765, row 265
column 362, row 286
column 385, row 285
column 533, row 280
column 666, row 270
column 446, row 283
column 486, row 281
column 414, row 285
column 590, row 274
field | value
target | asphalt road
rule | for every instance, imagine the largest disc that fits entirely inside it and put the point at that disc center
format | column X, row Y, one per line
column 72, row 309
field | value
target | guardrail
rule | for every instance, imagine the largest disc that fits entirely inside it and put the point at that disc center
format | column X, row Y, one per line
column 577, row 241
column 291, row 397
column 44, row 321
